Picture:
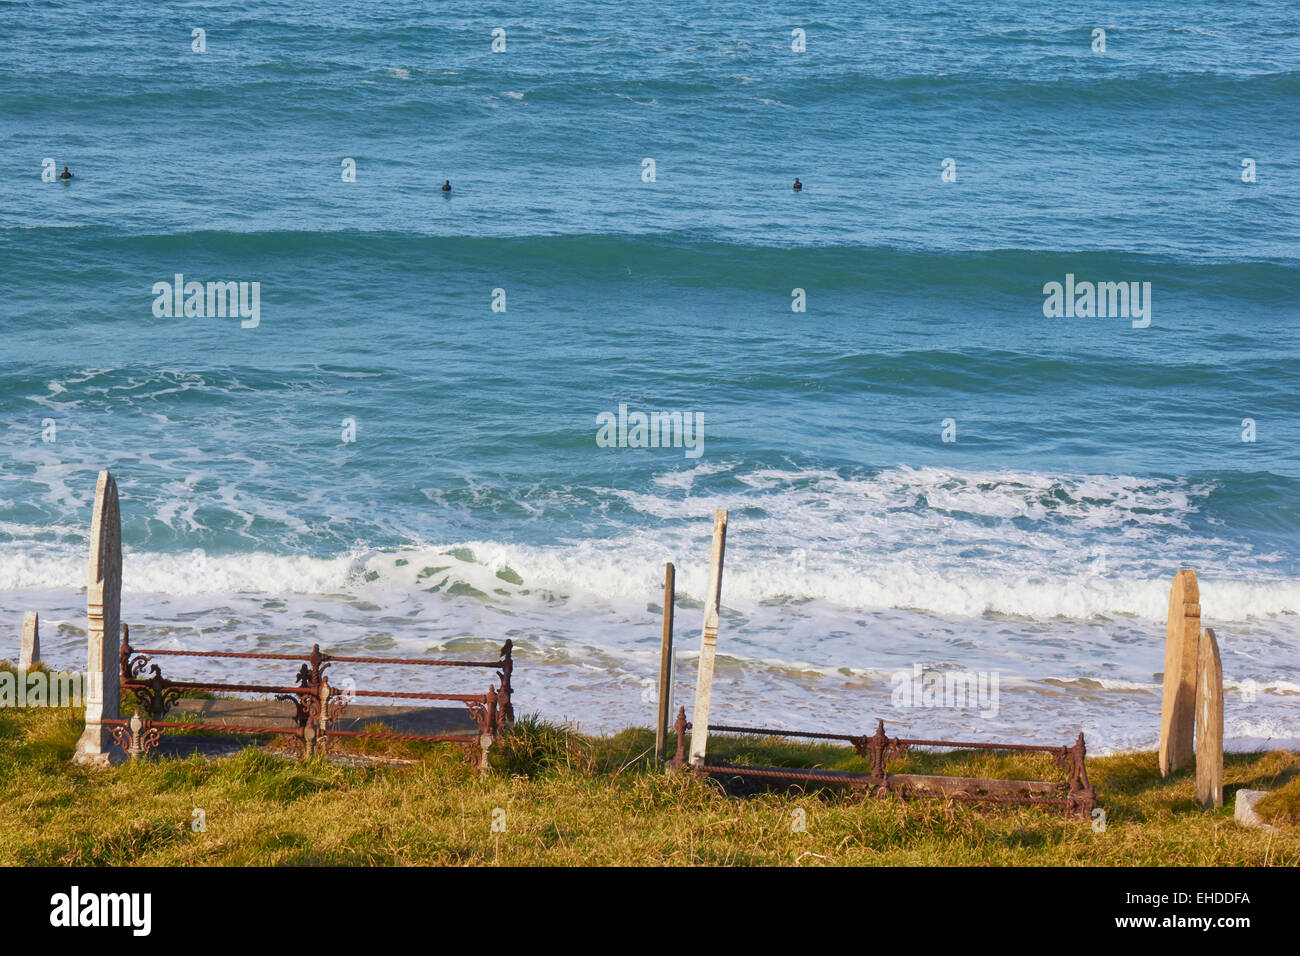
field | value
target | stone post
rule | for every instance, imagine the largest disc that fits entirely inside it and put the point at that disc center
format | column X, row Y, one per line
column 708, row 642
column 30, row 652
column 104, row 627
column 665, row 663
column 325, row 694
column 1178, row 704
column 1209, row 722
column 135, row 749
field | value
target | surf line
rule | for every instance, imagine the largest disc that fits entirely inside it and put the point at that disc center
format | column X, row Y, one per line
column 195, row 300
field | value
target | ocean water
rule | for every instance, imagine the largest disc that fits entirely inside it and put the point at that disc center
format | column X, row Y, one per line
column 386, row 463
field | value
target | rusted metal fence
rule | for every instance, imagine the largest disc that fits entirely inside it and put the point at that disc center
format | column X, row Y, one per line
column 1075, row 796
column 317, row 705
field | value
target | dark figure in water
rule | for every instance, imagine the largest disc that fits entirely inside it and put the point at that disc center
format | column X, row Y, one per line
column 446, row 185
column 798, row 186
column 65, row 174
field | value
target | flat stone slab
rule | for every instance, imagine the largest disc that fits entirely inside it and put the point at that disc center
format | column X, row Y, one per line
column 279, row 713
column 172, row 745
column 216, row 748
column 235, row 713
column 1243, row 809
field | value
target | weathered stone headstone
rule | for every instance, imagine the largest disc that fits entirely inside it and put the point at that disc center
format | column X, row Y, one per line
column 708, row 642
column 104, row 627
column 30, row 652
column 1209, row 722
column 1178, row 705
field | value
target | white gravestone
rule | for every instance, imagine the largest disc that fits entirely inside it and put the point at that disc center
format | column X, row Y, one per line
column 30, row 652
column 104, row 630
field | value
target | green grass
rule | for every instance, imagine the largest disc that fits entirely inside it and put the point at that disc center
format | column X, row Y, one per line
column 570, row 799
column 1282, row 806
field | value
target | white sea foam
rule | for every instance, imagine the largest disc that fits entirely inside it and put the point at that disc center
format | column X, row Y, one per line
column 833, row 583
column 960, row 545
column 590, row 571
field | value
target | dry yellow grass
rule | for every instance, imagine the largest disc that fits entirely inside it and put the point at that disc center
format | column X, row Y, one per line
column 568, row 800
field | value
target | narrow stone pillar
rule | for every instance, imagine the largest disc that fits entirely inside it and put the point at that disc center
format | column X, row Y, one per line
column 1178, row 704
column 1209, row 722
column 30, row 653
column 104, row 625
column 326, row 691
column 708, row 642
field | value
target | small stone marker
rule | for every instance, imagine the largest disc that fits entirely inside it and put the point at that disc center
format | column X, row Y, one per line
column 30, row 652
column 1243, row 809
column 708, row 642
column 104, row 630
column 1178, row 705
column 1209, row 722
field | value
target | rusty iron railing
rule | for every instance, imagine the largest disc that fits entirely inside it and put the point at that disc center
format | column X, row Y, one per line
column 317, row 705
column 1075, row 796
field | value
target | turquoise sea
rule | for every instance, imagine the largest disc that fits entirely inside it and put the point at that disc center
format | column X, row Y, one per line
column 399, row 453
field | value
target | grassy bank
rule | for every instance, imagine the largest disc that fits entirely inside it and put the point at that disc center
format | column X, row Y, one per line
column 571, row 800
